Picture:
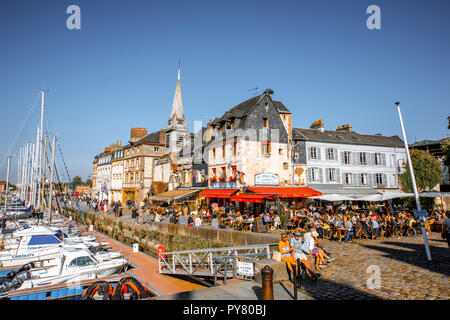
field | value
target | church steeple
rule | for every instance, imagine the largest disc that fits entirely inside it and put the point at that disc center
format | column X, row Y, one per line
column 177, row 119
column 177, row 133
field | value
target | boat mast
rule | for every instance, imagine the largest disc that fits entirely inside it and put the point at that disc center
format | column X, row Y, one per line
column 7, row 181
column 43, row 175
column 40, row 144
column 52, row 169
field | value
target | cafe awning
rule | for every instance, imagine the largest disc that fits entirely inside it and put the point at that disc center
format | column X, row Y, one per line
column 173, row 195
column 287, row 192
column 217, row 193
column 252, row 197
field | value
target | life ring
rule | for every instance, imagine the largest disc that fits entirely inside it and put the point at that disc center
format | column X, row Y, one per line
column 130, row 284
column 160, row 251
column 102, row 287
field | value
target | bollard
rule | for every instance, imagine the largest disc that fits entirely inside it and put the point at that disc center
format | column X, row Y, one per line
column 267, row 283
column 299, row 274
column 294, row 269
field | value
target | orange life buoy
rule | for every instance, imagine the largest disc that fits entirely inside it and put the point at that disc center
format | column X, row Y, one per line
column 161, row 254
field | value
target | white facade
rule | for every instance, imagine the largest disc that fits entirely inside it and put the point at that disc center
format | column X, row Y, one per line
column 104, row 177
column 354, row 165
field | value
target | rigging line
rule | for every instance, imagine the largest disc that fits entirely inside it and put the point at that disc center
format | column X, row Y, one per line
column 20, row 131
column 71, row 184
column 59, row 184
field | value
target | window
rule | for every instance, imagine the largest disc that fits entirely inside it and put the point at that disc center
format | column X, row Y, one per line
column 214, row 153
column 331, row 174
column 364, row 181
column 330, row 154
column 265, row 123
column 313, row 153
column 179, row 141
column 167, row 140
column 81, row 262
column 280, row 151
column 363, row 158
column 223, row 149
column 234, row 146
column 378, row 179
column 156, row 149
column 377, row 159
column 285, row 165
column 265, row 148
column 347, row 157
column 314, row 174
column 296, row 154
column 348, row 179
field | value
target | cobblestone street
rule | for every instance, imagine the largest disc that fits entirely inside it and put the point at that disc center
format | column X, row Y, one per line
column 404, row 270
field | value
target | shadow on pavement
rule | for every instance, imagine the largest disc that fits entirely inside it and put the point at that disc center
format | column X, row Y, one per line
column 324, row 289
column 414, row 254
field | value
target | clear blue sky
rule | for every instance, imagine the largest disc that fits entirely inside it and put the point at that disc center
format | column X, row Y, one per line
column 119, row 71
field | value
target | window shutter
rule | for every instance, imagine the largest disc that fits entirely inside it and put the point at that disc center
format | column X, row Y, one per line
column 318, row 153
column 320, row 175
column 327, row 173
column 355, row 181
column 309, row 174
column 338, row 175
column 309, row 153
column 335, row 153
column 342, row 157
column 384, row 181
column 383, row 159
column 354, row 156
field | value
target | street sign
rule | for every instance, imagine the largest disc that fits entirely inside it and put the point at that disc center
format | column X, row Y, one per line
column 420, row 213
column 245, row 269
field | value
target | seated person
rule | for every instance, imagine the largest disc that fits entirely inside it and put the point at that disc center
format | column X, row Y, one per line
column 296, row 243
column 190, row 221
column 287, row 254
column 215, row 223
column 198, row 221
column 309, row 247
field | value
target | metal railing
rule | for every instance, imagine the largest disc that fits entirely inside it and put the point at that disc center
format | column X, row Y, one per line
column 212, row 262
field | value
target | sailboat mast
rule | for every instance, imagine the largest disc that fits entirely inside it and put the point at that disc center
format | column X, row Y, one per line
column 52, row 169
column 7, row 182
column 43, row 175
column 40, row 145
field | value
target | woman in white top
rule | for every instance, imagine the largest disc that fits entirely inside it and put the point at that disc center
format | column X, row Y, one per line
column 198, row 221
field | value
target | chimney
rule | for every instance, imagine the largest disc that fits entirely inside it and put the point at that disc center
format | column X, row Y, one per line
column 137, row 133
column 344, row 128
column 162, row 136
column 318, row 125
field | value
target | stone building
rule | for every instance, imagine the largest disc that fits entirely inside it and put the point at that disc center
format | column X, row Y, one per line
column 342, row 160
column 249, row 145
column 138, row 159
column 117, row 173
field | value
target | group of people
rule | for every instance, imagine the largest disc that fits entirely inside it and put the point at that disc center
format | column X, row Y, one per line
column 295, row 252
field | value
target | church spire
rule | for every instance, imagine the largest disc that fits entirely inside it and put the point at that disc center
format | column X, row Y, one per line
column 177, row 119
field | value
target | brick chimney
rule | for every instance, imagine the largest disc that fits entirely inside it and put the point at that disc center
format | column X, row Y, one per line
column 162, row 136
column 137, row 133
column 318, row 125
column 345, row 128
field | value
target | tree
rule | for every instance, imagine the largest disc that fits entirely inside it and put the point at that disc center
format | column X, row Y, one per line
column 76, row 181
column 427, row 171
column 88, row 182
column 445, row 146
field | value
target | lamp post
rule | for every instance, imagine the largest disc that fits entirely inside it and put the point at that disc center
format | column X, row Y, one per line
column 413, row 182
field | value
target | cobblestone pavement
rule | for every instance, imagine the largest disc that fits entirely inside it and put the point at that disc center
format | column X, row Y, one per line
column 405, row 272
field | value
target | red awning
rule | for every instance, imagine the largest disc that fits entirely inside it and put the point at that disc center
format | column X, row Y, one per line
column 287, row 192
column 217, row 193
column 252, row 197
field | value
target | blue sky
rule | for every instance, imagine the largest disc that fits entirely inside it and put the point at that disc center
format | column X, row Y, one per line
column 119, row 71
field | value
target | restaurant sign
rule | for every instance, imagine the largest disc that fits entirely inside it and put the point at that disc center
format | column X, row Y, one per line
column 266, row 178
column 245, row 269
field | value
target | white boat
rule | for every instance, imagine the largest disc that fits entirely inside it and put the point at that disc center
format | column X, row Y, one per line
column 72, row 265
column 40, row 244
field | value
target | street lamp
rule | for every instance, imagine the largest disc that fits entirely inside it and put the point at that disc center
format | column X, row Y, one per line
column 413, row 181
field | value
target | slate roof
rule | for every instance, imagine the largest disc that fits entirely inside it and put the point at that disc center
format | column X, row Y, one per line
column 425, row 143
column 150, row 138
column 347, row 138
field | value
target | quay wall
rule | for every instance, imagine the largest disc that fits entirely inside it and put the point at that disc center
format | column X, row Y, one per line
column 172, row 236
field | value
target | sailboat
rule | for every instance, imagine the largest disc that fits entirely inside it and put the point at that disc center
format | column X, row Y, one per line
column 71, row 265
